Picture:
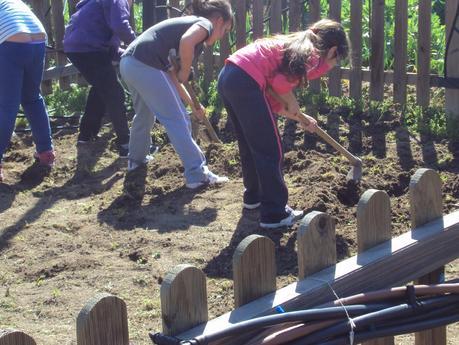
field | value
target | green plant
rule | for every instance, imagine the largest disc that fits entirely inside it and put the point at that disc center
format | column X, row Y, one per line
column 62, row 103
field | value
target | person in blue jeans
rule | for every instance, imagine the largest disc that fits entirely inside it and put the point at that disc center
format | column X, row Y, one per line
column 22, row 54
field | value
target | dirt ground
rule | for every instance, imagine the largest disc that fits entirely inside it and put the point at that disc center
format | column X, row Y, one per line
column 83, row 228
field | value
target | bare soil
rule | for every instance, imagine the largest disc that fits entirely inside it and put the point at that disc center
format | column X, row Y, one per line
column 84, row 228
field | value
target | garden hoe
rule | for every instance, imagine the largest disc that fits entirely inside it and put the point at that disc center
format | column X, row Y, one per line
column 210, row 134
column 355, row 173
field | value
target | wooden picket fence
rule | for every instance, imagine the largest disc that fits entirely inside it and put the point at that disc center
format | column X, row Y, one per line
column 382, row 262
column 289, row 15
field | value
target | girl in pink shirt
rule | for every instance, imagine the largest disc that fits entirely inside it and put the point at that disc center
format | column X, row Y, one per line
column 257, row 81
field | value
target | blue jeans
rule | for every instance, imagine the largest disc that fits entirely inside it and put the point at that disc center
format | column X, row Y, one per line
column 21, row 71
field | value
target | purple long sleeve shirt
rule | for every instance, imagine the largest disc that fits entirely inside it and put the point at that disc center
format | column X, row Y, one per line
column 98, row 25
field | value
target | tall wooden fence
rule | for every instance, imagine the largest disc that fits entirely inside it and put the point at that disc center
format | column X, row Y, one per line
column 256, row 18
column 382, row 262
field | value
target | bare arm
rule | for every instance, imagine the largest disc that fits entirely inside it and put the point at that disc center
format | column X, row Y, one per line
column 193, row 36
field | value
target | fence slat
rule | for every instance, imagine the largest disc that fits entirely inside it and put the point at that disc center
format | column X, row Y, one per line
column 176, row 4
column 424, row 33
column 355, row 77
column 257, row 15
column 241, row 16
column 373, row 228
column 148, row 13
column 103, row 320
column 377, row 50
column 183, row 299
column 452, row 68
column 59, row 28
column 334, row 81
column 295, row 11
column 316, row 243
column 225, row 50
column 14, row 337
column 254, row 269
column 208, row 67
column 426, row 205
column 400, row 50
column 314, row 15
column 275, row 23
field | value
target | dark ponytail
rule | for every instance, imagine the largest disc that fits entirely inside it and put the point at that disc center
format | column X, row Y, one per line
column 210, row 8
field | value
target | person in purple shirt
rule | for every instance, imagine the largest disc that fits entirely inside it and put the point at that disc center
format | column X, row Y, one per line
column 92, row 41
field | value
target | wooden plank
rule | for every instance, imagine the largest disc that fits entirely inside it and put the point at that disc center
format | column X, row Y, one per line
column 148, row 13
column 241, row 17
column 314, row 16
column 420, row 250
column 400, row 50
column 294, row 12
column 257, row 15
column 334, row 76
column 452, row 68
column 60, row 71
column 208, row 59
column 183, row 299
column 275, row 23
column 373, row 228
column 225, row 50
column 316, row 243
column 423, row 64
column 426, row 204
column 377, row 50
column 59, row 29
column 355, row 77
column 14, row 337
column 103, row 320
column 254, row 269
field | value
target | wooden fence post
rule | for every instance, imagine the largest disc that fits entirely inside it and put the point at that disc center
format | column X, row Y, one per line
column 452, row 95
column 334, row 76
column 423, row 67
column 59, row 28
column 316, row 243
column 241, row 17
column 275, row 23
column 183, row 299
column 314, row 15
column 103, row 320
column 257, row 17
column 426, row 204
column 400, row 50
column 373, row 228
column 254, row 269
column 14, row 337
column 355, row 77
column 377, row 50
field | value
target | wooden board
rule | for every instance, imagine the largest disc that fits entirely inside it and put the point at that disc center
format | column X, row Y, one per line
column 373, row 228
column 423, row 59
column 275, row 23
column 183, row 299
column 421, row 251
column 103, row 320
column 241, row 16
column 316, row 241
column 314, row 16
column 400, row 50
column 377, row 50
column 254, row 269
column 426, row 204
column 334, row 76
column 355, row 36
column 59, row 28
column 452, row 95
column 14, row 337
column 295, row 11
column 257, row 13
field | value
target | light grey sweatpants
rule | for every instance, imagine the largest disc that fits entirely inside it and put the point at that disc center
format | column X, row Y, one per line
column 154, row 94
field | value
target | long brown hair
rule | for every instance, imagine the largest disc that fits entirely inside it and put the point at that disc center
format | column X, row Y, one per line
column 320, row 37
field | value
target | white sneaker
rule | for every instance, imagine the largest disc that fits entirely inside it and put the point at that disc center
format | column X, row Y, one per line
column 292, row 218
column 251, row 206
column 211, row 178
column 132, row 165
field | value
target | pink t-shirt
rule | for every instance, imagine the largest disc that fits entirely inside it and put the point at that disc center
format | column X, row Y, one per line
column 261, row 60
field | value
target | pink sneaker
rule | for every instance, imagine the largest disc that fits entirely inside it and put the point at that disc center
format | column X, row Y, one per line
column 1, row 173
column 45, row 158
